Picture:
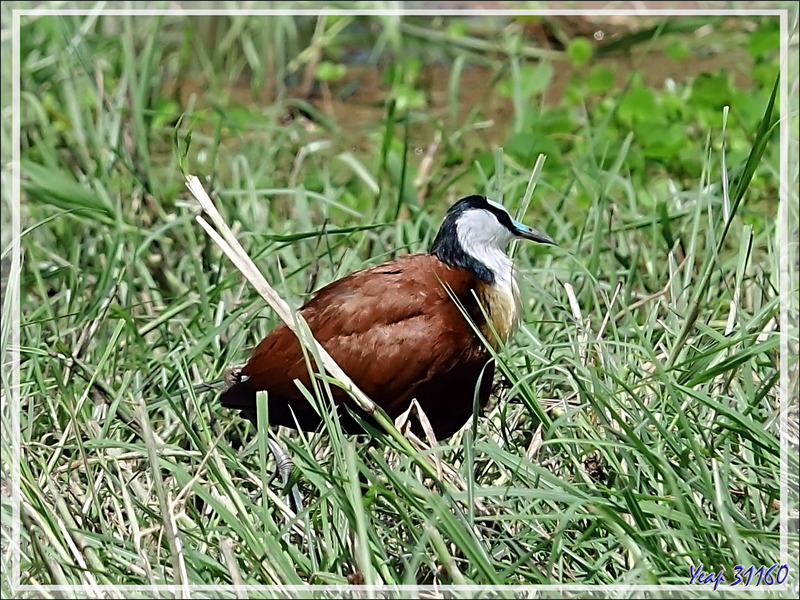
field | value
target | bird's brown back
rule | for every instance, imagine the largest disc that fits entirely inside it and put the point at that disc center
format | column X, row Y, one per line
column 396, row 332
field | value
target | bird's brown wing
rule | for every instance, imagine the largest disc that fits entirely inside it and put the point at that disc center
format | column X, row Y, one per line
column 393, row 329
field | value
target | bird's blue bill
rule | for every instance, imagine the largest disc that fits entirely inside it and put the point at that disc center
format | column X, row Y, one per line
column 522, row 230
column 529, row 233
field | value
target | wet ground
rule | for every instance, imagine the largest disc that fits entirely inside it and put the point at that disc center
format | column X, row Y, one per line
column 367, row 103
column 359, row 100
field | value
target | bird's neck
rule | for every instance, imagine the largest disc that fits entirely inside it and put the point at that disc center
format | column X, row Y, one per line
column 496, row 288
column 450, row 250
column 501, row 306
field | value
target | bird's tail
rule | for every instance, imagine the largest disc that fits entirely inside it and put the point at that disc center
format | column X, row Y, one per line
column 214, row 385
column 238, row 395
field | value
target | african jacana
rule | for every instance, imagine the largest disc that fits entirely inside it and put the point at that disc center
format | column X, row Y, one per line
column 397, row 329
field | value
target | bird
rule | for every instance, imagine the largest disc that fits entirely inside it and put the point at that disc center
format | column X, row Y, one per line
column 403, row 330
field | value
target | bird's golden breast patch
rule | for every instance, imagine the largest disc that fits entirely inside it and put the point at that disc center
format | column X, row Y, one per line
column 502, row 308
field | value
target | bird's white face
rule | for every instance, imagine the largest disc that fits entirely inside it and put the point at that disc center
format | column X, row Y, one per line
column 485, row 238
column 480, row 230
column 474, row 235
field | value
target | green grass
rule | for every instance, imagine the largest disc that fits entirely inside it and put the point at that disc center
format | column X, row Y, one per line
column 634, row 430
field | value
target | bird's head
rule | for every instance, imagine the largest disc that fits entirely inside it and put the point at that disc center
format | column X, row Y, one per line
column 475, row 233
